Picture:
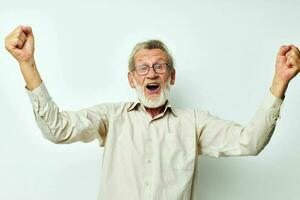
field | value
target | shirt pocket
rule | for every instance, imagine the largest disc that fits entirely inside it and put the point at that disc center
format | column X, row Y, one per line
column 180, row 151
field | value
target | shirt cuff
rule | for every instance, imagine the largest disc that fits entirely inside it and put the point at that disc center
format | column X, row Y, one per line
column 39, row 96
column 273, row 103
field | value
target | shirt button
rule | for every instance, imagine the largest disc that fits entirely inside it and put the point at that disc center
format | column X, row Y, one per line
column 149, row 161
column 147, row 183
column 149, row 140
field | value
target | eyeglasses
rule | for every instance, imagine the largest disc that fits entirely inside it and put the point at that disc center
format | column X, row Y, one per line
column 159, row 68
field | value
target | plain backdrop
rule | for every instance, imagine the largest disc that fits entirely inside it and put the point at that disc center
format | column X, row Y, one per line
column 224, row 53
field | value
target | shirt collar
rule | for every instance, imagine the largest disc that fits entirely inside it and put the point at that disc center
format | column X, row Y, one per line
column 135, row 105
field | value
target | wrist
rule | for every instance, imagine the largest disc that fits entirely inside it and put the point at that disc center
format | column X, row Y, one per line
column 279, row 87
column 28, row 62
column 30, row 74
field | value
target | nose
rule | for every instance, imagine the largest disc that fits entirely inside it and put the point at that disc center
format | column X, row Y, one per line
column 152, row 74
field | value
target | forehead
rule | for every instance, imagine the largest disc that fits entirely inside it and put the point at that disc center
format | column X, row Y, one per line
column 149, row 55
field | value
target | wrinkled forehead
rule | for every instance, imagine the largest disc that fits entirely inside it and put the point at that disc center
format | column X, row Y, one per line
column 150, row 55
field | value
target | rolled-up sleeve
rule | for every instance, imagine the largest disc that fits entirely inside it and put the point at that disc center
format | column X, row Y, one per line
column 60, row 127
column 218, row 137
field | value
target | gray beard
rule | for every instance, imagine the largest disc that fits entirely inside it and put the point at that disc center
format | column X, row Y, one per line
column 158, row 101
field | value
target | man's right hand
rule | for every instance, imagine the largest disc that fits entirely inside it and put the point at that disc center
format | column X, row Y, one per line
column 20, row 44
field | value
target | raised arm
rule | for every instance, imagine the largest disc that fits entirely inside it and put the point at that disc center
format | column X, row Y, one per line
column 57, row 126
column 218, row 137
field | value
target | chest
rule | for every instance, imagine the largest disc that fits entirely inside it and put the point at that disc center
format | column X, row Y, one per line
column 169, row 140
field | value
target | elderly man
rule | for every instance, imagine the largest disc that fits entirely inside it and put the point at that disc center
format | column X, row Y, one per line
column 150, row 147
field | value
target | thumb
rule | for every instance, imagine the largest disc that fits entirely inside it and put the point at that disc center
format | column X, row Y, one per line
column 27, row 30
column 29, row 38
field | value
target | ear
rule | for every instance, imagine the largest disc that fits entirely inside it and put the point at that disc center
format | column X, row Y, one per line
column 130, row 79
column 173, row 73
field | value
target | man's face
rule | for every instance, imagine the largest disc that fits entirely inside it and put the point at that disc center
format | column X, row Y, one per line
column 152, row 84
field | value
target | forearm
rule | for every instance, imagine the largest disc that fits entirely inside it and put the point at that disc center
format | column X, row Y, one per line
column 279, row 87
column 30, row 74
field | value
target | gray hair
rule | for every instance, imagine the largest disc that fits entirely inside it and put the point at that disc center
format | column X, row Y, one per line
column 150, row 44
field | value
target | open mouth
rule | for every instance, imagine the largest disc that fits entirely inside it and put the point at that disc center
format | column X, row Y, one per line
column 152, row 87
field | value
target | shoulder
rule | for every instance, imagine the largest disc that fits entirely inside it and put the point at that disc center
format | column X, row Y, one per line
column 183, row 112
column 190, row 112
column 115, row 107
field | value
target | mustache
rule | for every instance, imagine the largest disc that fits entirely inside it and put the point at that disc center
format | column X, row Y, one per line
column 152, row 82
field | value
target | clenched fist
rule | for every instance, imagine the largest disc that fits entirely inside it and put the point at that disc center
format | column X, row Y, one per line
column 286, row 68
column 20, row 44
column 288, row 62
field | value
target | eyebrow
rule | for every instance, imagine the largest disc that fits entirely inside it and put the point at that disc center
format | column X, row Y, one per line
column 159, row 59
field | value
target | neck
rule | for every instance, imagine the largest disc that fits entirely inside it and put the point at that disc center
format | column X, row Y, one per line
column 155, row 111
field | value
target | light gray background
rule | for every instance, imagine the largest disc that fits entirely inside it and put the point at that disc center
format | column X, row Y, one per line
column 224, row 52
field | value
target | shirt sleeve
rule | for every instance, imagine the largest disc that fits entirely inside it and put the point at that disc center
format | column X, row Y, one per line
column 218, row 137
column 63, row 127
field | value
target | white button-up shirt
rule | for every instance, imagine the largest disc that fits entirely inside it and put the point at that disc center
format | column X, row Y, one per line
column 149, row 158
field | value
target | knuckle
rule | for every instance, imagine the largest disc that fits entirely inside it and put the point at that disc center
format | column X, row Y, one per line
column 15, row 41
column 23, row 35
column 18, row 34
column 292, row 60
column 19, row 29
